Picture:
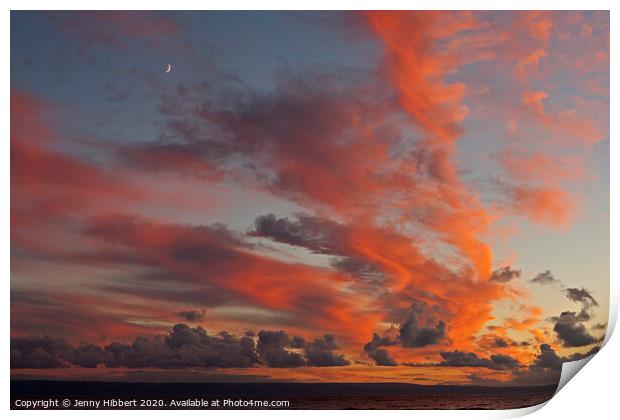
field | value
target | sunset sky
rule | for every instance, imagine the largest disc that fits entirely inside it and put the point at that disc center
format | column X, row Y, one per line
column 383, row 196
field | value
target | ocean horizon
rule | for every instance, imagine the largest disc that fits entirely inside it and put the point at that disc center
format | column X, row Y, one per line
column 271, row 395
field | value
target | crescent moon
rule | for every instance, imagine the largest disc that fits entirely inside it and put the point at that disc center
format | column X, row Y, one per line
column 169, row 68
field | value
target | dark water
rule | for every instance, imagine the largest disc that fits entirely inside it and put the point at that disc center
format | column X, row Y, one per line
column 421, row 402
column 258, row 395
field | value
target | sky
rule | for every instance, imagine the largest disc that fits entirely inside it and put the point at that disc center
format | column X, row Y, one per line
column 416, row 197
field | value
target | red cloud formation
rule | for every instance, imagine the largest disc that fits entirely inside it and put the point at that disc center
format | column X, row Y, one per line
column 418, row 68
column 539, row 25
column 529, row 64
column 567, row 122
column 541, row 166
column 48, row 185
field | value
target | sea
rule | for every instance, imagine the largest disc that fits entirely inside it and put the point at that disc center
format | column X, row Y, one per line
column 27, row 394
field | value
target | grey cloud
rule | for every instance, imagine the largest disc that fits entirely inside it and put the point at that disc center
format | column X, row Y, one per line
column 298, row 342
column 547, row 358
column 378, row 341
column 579, row 356
column 420, row 328
column 568, row 326
column 379, row 355
column 271, row 347
column 468, row 359
column 582, row 296
column 502, row 343
column 321, row 236
column 319, row 352
column 316, row 234
column 571, row 332
column 39, row 352
column 505, row 274
column 546, row 367
column 182, row 347
column 87, row 355
column 193, row 315
column 382, row 357
column 545, row 278
column 369, row 273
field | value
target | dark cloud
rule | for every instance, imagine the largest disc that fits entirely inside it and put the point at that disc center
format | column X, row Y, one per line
column 501, row 342
column 505, row 274
column 582, row 296
column 368, row 272
column 192, row 315
column 382, row 357
column 207, row 295
column 502, row 361
column 468, row 359
column 571, row 332
column 298, row 342
column 323, row 236
column 330, row 341
column 379, row 355
column 544, row 369
column 378, row 341
column 545, row 278
column 316, row 234
column 87, row 355
column 579, row 356
column 271, row 347
column 39, row 352
column 547, row 358
column 182, row 347
column 420, row 328
column 569, row 326
column 320, row 352
column 479, row 380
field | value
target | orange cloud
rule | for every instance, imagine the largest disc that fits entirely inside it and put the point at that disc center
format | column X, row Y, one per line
column 529, row 64
column 418, row 70
column 549, row 206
